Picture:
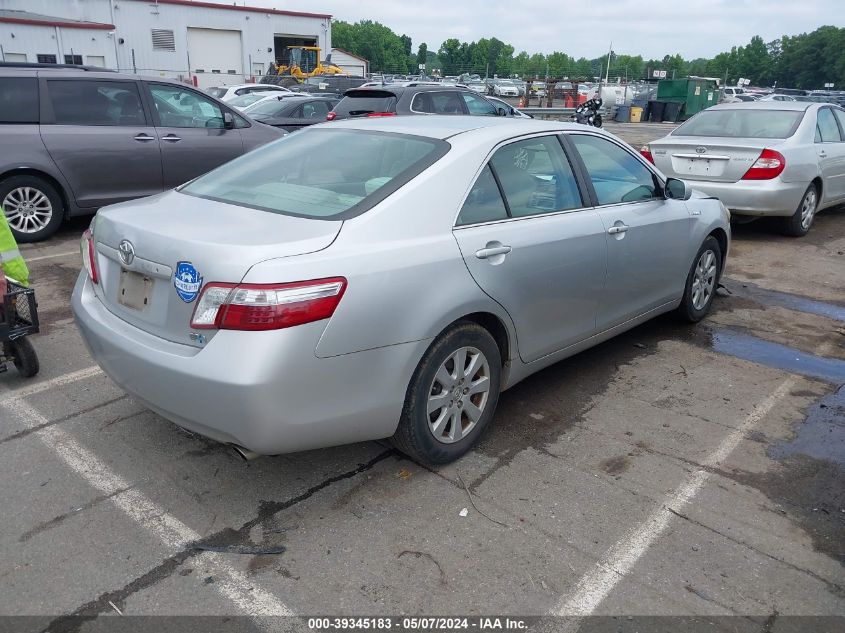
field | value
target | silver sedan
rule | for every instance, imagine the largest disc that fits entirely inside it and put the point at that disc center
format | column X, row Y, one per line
column 387, row 278
column 771, row 158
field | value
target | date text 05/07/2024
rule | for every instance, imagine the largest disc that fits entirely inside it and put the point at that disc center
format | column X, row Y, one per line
column 432, row 623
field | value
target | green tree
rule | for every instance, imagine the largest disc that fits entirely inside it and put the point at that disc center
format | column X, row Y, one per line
column 422, row 55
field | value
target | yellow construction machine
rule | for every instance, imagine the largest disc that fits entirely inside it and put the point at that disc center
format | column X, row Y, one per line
column 304, row 62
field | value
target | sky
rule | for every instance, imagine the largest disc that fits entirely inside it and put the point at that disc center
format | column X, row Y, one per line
column 651, row 28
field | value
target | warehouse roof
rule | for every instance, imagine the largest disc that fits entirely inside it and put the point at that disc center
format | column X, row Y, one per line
column 236, row 7
column 12, row 16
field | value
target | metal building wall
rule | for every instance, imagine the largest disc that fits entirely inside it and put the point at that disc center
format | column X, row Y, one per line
column 134, row 22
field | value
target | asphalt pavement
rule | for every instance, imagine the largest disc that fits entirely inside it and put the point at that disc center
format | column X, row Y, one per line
column 673, row 471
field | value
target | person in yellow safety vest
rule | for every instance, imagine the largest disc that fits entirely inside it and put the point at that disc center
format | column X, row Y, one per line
column 11, row 261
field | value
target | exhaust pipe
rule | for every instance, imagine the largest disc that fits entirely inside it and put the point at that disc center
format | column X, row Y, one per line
column 244, row 453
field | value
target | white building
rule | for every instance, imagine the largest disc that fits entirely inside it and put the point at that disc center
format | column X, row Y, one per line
column 204, row 42
column 350, row 63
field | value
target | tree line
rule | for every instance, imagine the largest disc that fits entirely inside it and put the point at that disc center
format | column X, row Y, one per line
column 808, row 60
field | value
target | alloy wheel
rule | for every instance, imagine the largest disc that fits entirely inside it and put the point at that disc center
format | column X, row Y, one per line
column 458, row 395
column 704, row 279
column 808, row 209
column 28, row 210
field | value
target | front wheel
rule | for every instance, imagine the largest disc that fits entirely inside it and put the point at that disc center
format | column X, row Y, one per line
column 452, row 396
column 702, row 281
column 23, row 355
column 798, row 224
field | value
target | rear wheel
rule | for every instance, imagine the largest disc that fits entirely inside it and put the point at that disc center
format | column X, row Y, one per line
column 24, row 357
column 702, row 281
column 452, row 396
column 799, row 223
column 33, row 207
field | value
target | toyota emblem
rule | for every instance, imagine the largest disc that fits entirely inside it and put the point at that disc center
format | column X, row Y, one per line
column 126, row 251
column 700, row 149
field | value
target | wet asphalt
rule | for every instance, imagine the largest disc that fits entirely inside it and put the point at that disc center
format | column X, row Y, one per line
column 736, row 427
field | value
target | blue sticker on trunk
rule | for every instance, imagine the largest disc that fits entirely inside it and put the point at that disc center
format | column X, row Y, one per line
column 187, row 281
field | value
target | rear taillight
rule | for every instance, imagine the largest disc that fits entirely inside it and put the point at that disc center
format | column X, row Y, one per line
column 645, row 150
column 331, row 116
column 89, row 255
column 373, row 115
column 266, row 306
column 769, row 165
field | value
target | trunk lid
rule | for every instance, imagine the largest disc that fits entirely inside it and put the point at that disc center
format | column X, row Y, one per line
column 179, row 243
column 707, row 158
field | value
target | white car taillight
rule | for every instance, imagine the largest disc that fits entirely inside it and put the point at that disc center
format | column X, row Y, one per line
column 89, row 255
column 267, row 306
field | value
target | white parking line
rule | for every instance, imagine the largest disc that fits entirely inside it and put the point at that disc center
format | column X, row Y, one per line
column 29, row 260
column 232, row 584
column 620, row 559
column 11, row 395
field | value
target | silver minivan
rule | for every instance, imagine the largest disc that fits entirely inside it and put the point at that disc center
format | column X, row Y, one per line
column 78, row 138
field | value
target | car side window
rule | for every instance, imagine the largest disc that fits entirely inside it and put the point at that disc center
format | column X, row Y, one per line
column 536, row 177
column 840, row 116
column 617, row 175
column 18, row 100
column 827, row 129
column 88, row 102
column 315, row 110
column 484, row 202
column 478, row 105
column 179, row 107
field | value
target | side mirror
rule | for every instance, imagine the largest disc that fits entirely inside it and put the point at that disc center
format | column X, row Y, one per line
column 502, row 111
column 677, row 189
column 228, row 121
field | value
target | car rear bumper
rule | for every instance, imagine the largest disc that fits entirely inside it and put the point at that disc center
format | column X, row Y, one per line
column 266, row 391
column 755, row 197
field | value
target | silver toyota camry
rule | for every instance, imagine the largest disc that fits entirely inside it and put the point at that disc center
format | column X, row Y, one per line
column 771, row 158
column 387, row 278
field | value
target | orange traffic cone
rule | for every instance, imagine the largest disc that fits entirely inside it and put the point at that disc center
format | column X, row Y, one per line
column 521, row 103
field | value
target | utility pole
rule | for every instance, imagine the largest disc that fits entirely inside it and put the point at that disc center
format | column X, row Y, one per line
column 609, row 55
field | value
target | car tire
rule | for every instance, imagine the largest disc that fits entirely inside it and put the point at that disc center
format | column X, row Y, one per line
column 799, row 223
column 24, row 357
column 442, row 419
column 703, row 277
column 31, row 195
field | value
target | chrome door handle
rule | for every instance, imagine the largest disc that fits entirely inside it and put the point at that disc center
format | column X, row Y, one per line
column 621, row 228
column 144, row 137
column 822, row 154
column 486, row 253
column 171, row 138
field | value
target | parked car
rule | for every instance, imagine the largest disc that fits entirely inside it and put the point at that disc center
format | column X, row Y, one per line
column 227, row 93
column 783, row 159
column 746, row 98
column 505, row 88
column 244, row 101
column 778, row 97
column 402, row 100
column 388, row 278
column 293, row 113
column 506, row 109
column 75, row 140
column 477, row 86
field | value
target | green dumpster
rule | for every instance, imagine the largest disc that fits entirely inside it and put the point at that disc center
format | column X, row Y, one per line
column 695, row 93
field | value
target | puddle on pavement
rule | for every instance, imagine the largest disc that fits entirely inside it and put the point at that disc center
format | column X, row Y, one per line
column 787, row 300
column 821, row 435
column 779, row 356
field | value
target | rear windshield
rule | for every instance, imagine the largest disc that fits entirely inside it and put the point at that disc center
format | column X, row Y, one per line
column 360, row 106
column 216, row 92
column 319, row 173
column 742, row 124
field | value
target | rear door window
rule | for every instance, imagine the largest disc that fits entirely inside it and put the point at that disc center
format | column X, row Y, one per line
column 827, row 130
column 18, row 100
column 92, row 102
column 536, row 177
column 617, row 175
column 840, row 116
column 446, row 102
